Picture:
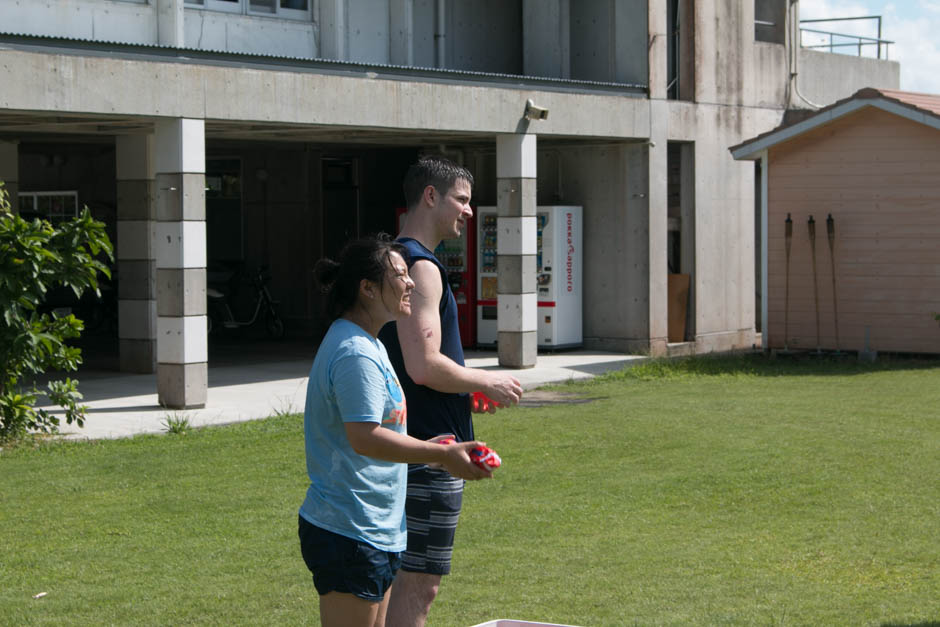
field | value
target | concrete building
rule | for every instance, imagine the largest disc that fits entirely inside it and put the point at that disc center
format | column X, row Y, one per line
column 859, row 182
column 268, row 131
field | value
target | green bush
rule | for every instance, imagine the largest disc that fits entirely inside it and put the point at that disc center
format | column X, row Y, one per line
column 35, row 256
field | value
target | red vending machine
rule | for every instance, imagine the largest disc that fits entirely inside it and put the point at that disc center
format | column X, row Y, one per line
column 458, row 256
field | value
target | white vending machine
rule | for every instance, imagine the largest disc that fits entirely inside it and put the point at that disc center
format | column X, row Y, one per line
column 559, row 271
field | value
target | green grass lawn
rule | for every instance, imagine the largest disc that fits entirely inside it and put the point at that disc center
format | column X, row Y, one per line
column 731, row 491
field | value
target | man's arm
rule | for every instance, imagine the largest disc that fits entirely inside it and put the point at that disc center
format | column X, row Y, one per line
column 420, row 337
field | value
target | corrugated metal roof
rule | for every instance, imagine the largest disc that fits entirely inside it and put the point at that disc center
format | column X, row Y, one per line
column 195, row 55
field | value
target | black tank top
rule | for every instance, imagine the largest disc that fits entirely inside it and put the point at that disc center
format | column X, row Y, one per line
column 430, row 412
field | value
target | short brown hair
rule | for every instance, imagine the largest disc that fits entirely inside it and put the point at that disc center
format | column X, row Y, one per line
column 434, row 170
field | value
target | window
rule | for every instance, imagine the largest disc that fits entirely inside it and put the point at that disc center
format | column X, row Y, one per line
column 292, row 9
column 53, row 206
column 770, row 21
column 232, row 6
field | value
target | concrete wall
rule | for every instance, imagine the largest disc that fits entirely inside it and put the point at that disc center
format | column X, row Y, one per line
column 231, row 32
column 724, row 280
column 485, row 36
column 68, row 83
column 138, row 23
column 767, row 85
column 368, row 31
column 724, row 40
column 125, row 22
column 606, row 41
column 606, row 180
column 825, row 77
column 609, row 40
column 425, row 26
column 546, row 38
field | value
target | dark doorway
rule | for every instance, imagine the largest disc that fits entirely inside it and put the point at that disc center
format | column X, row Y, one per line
column 340, row 203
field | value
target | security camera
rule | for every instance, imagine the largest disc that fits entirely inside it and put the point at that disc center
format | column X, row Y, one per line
column 533, row 112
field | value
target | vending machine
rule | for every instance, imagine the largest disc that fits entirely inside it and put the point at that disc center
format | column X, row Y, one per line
column 486, row 276
column 458, row 256
column 559, row 272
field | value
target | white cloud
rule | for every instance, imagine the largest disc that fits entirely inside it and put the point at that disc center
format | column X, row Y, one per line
column 930, row 6
column 916, row 47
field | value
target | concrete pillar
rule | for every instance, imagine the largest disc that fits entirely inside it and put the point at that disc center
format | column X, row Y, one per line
column 646, row 191
column 182, row 334
column 517, row 315
column 170, row 30
column 687, row 237
column 658, row 52
column 136, row 268
column 401, row 32
column 636, row 252
column 10, row 171
column 333, row 29
column 546, row 38
column 658, row 208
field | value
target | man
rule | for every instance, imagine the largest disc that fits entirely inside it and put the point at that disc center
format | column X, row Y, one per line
column 426, row 352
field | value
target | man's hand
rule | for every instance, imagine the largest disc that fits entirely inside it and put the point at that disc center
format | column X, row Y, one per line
column 502, row 388
column 481, row 403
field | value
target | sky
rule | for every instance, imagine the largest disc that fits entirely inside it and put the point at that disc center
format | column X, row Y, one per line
column 914, row 26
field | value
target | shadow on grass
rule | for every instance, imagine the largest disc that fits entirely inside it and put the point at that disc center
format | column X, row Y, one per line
column 930, row 623
column 761, row 365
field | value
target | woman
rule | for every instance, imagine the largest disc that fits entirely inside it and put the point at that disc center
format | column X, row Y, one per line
column 351, row 525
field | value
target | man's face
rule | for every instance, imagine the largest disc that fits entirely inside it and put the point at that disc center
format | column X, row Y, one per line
column 454, row 210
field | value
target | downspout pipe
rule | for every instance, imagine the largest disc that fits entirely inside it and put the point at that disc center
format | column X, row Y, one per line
column 793, row 28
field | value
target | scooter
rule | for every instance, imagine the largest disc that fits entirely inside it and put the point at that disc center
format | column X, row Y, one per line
column 221, row 316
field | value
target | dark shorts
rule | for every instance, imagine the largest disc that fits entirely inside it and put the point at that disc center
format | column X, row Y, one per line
column 341, row 564
column 432, row 510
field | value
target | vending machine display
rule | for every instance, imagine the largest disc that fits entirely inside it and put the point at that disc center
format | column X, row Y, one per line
column 486, row 277
column 558, row 276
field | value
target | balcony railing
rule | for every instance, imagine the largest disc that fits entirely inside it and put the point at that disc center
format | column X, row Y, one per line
column 844, row 40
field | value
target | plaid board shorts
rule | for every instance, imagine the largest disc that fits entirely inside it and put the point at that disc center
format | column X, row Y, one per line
column 432, row 509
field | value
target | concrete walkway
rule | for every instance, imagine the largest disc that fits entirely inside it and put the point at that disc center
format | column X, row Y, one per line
column 122, row 405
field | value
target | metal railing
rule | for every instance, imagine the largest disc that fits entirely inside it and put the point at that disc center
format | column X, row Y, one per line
column 857, row 41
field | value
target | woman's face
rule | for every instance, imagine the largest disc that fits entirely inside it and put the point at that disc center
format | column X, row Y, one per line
column 398, row 287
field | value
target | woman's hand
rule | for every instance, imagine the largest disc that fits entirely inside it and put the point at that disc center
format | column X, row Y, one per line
column 458, row 462
column 370, row 439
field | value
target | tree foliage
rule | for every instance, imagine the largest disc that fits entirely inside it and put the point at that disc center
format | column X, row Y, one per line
column 34, row 257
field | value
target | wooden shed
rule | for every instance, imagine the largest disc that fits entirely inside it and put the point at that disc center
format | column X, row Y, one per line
column 872, row 163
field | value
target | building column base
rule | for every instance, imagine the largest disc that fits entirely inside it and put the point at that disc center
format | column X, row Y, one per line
column 518, row 349
column 182, row 386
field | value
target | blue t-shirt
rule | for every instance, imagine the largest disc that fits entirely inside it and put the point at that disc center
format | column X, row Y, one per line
column 352, row 495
